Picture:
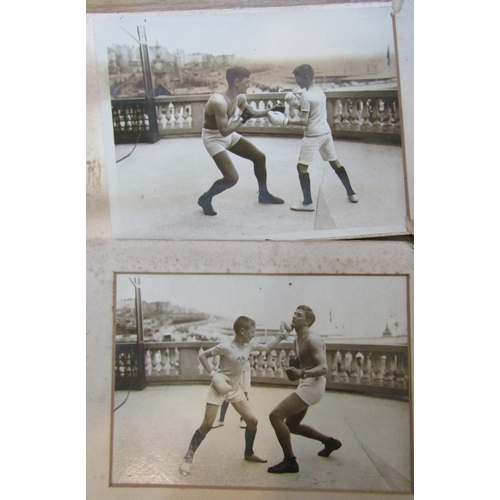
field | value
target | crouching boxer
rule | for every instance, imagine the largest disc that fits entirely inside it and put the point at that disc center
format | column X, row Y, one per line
column 309, row 368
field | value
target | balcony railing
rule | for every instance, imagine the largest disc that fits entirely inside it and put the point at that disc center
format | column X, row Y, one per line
column 373, row 369
column 368, row 115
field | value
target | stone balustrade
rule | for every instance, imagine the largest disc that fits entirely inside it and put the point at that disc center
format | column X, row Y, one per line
column 354, row 114
column 373, row 369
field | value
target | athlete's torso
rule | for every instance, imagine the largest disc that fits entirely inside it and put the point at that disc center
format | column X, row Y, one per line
column 210, row 122
column 313, row 100
column 233, row 359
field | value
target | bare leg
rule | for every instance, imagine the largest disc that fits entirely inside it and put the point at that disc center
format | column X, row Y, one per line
column 245, row 149
column 291, row 405
column 229, row 179
column 243, row 408
column 198, row 437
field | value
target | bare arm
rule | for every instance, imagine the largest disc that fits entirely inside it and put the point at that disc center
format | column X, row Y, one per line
column 281, row 335
column 203, row 357
column 301, row 120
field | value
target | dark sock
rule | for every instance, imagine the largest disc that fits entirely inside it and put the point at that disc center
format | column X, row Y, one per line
column 344, row 178
column 249, row 439
column 305, row 184
column 218, row 187
column 193, row 445
column 223, row 410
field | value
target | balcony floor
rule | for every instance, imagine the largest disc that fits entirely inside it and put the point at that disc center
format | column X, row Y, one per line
column 153, row 428
column 153, row 193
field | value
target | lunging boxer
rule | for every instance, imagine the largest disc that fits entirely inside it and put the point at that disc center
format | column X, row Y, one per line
column 317, row 134
column 224, row 113
column 225, row 386
column 309, row 368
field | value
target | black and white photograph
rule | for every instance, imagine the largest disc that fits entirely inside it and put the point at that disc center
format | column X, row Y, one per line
column 253, row 124
column 262, row 381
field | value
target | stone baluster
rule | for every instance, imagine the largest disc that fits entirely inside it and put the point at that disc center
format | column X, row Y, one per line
column 400, row 373
column 145, row 117
column 354, row 115
column 178, row 116
column 154, row 362
column 251, row 359
column 366, row 378
column 335, row 366
column 387, row 118
column 365, row 115
column 337, row 114
column 388, row 376
column 343, row 375
column 177, row 363
column 280, row 364
column 354, row 376
column 147, row 362
column 271, row 364
column 260, row 363
column 187, row 118
column 346, row 124
column 263, row 120
column 161, row 117
column 377, row 374
column 169, row 116
column 201, row 370
column 165, row 361
column 376, row 115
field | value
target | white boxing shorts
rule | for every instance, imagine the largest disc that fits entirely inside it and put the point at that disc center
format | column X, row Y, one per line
column 234, row 396
column 311, row 390
column 322, row 143
column 215, row 143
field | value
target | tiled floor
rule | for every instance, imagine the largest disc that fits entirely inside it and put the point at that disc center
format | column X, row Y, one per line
column 153, row 193
column 153, row 428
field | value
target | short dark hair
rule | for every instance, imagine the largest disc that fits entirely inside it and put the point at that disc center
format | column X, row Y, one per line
column 243, row 322
column 310, row 316
column 236, row 72
column 304, row 70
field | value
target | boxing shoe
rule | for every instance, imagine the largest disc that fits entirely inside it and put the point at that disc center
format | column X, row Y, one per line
column 300, row 207
column 255, row 458
column 353, row 198
column 217, row 424
column 206, row 204
column 243, row 424
column 331, row 445
column 284, row 467
column 267, row 197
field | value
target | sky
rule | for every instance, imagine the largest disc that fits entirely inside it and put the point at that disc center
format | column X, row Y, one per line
column 361, row 306
column 261, row 34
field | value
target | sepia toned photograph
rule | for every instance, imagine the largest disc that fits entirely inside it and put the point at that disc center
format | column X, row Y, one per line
column 276, row 382
column 253, row 124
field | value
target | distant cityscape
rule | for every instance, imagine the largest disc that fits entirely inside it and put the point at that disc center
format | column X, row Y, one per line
column 174, row 72
column 167, row 322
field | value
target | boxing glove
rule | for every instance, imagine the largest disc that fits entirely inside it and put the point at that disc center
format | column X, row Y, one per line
column 277, row 119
